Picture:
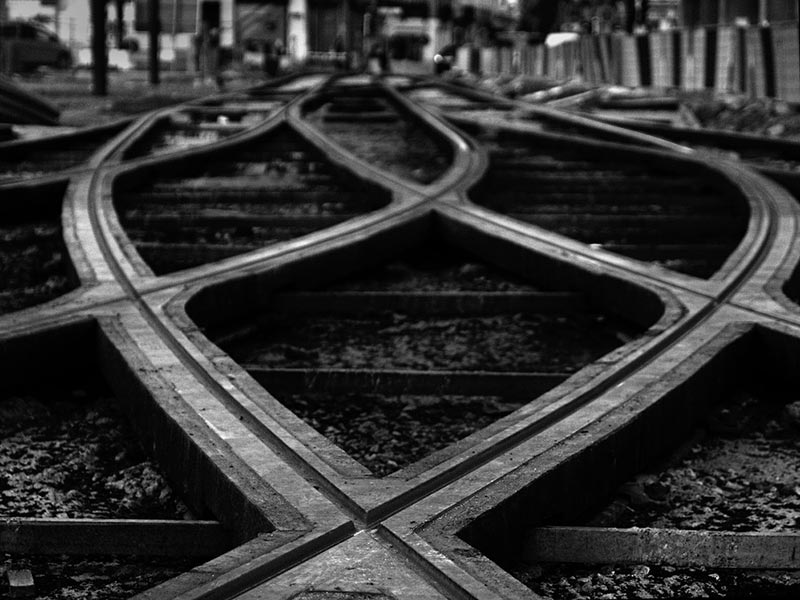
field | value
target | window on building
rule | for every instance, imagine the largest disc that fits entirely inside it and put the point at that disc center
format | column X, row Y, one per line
column 179, row 16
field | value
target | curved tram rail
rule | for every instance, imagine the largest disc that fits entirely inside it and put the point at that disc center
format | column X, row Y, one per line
column 235, row 294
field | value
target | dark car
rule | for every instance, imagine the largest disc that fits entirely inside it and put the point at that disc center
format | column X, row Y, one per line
column 25, row 45
column 444, row 59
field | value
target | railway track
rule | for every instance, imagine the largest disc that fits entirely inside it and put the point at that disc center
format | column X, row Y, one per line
column 399, row 365
column 775, row 158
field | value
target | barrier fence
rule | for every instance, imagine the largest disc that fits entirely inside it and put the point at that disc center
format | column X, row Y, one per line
column 761, row 61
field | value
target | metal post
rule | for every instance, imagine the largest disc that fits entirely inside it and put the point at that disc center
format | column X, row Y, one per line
column 153, row 50
column 99, row 58
column 174, row 30
column 56, row 17
column 120, row 8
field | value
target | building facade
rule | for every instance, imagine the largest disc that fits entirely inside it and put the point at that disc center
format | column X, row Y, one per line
column 411, row 29
column 301, row 26
column 698, row 13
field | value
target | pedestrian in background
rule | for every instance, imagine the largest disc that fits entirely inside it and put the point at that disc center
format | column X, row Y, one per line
column 214, row 66
column 207, row 56
column 271, row 59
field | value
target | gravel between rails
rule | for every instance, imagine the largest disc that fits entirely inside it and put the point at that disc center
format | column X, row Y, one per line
column 518, row 342
column 32, row 265
column 741, row 472
column 72, row 455
column 387, row 433
column 568, row 582
column 93, row 578
column 435, row 271
column 402, row 148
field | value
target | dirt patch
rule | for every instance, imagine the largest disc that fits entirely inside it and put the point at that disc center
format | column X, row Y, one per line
column 93, row 578
column 72, row 455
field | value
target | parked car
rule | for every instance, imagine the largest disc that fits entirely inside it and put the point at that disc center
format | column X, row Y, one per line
column 26, row 45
